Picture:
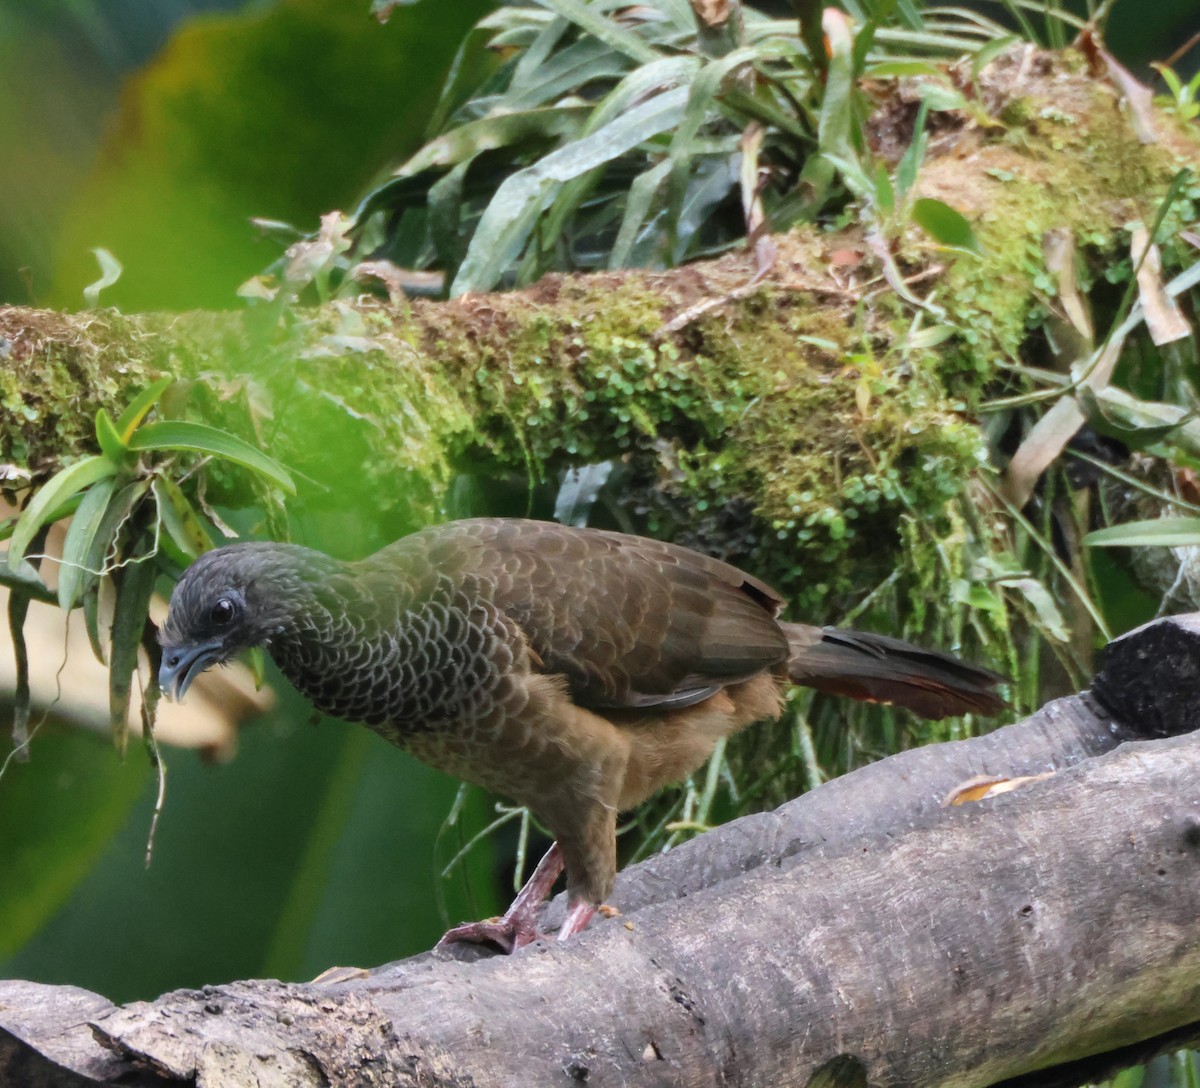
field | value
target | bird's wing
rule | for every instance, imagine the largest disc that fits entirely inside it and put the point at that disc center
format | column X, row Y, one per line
column 629, row 622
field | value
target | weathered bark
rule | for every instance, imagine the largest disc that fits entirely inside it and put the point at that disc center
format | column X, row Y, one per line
column 862, row 935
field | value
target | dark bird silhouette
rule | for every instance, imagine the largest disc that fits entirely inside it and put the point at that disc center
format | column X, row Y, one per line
column 575, row 671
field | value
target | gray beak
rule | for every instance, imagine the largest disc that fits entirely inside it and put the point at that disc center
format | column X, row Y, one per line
column 182, row 664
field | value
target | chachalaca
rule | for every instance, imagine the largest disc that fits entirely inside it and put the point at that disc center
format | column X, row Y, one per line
column 575, row 671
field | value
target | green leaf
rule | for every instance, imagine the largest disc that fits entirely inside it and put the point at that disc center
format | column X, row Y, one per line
column 18, row 609
column 24, row 579
column 182, row 523
column 134, row 589
column 944, row 225
column 941, row 96
column 637, row 208
column 116, row 514
column 901, row 68
column 255, row 659
column 74, row 573
column 188, row 437
column 52, row 495
column 989, row 52
column 914, row 155
column 838, row 131
column 133, row 415
column 1153, row 533
column 489, row 133
column 510, row 217
column 91, row 623
column 1049, row 617
column 612, row 34
column 702, row 93
column 112, row 445
column 857, row 180
column 110, row 272
column 885, row 196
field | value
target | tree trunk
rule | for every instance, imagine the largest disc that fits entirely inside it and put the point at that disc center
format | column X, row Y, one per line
column 864, row 934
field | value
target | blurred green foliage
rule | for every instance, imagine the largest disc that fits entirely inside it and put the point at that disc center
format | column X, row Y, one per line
column 283, row 112
column 314, row 845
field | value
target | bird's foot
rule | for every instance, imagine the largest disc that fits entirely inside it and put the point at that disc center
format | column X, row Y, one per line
column 518, row 927
column 507, row 933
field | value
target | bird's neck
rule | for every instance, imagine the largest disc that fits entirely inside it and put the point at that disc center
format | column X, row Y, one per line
column 362, row 643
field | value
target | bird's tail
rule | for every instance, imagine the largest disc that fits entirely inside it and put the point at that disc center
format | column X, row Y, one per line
column 878, row 669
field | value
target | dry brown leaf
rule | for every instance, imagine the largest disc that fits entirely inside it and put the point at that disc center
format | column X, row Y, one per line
column 712, row 13
column 1138, row 95
column 1058, row 248
column 1164, row 319
column 982, row 786
column 1050, row 434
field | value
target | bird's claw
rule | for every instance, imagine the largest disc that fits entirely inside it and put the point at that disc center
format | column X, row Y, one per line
column 507, row 933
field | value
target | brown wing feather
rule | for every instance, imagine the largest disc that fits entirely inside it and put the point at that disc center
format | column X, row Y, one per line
column 630, row 622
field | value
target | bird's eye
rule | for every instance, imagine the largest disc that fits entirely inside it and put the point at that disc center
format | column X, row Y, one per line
column 222, row 612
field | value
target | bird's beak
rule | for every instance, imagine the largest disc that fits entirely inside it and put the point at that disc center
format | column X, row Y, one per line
column 182, row 664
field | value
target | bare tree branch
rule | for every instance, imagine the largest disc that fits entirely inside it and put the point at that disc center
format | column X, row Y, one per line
column 863, row 934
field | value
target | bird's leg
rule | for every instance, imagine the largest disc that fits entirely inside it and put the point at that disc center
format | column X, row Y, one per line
column 518, row 927
column 578, row 916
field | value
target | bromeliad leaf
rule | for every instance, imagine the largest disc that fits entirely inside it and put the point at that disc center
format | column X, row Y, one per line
column 609, row 32
column 489, row 133
column 510, row 217
column 200, row 438
column 52, row 496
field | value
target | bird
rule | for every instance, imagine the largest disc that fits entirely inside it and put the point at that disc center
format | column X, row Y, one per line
column 573, row 670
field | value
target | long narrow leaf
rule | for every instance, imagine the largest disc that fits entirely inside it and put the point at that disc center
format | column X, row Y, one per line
column 637, row 208
column 73, row 572
column 182, row 523
column 701, row 94
column 52, row 495
column 1155, row 532
column 133, row 415
column 609, row 32
column 129, row 622
column 182, row 435
column 112, row 445
column 488, row 133
column 509, row 218
column 18, row 609
column 104, row 546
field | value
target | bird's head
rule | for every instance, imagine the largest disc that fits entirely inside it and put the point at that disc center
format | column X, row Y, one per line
column 229, row 600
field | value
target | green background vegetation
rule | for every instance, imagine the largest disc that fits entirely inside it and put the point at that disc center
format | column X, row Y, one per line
column 320, row 844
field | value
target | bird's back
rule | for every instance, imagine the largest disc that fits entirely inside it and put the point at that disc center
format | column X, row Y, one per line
column 629, row 622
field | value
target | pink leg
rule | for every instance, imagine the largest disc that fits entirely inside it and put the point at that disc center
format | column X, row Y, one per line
column 578, row 916
column 518, row 927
